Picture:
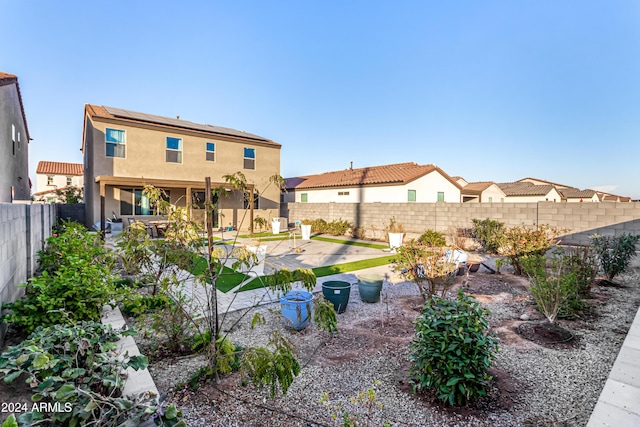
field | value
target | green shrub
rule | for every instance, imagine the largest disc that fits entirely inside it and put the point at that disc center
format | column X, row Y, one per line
column 614, row 253
column 552, row 288
column 488, row 233
column 338, row 227
column 78, row 368
column 75, row 292
column 522, row 241
column 135, row 304
column 319, row 226
column 432, row 238
column 452, row 349
column 135, row 249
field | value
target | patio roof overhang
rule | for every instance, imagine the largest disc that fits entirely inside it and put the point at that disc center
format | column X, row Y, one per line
column 123, row 181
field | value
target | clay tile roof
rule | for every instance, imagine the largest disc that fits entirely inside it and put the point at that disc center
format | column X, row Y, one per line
column 575, row 193
column 524, row 189
column 542, row 180
column 476, row 187
column 399, row 173
column 59, row 168
column 5, row 79
column 136, row 117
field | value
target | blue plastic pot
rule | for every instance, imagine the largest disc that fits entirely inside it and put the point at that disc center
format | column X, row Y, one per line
column 296, row 307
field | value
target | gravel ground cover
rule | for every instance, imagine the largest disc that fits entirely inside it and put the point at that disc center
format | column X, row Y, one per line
column 533, row 385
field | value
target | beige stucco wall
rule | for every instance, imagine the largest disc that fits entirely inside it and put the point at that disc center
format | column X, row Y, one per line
column 426, row 187
column 59, row 181
column 145, row 156
column 14, row 167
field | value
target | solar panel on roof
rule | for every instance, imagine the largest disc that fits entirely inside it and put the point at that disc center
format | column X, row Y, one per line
column 150, row 118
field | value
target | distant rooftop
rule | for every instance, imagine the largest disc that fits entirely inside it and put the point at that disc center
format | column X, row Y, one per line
column 59, row 168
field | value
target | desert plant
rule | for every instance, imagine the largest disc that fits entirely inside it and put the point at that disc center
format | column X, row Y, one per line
column 522, row 241
column 359, row 232
column 432, row 238
column 393, row 227
column 426, row 266
column 319, row 226
column 553, row 287
column 614, row 253
column 352, row 415
column 78, row 368
column 488, row 233
column 452, row 349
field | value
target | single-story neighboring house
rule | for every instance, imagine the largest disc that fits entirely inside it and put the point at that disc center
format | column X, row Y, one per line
column 481, row 192
column 395, row 183
column 527, row 192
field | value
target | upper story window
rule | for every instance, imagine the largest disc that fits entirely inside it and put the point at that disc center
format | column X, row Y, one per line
column 174, row 150
column 211, row 152
column 441, row 196
column 304, row 197
column 69, row 180
column 249, row 158
column 115, row 142
column 49, row 180
column 411, row 195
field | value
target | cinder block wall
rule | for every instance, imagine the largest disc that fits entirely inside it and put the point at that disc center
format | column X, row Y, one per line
column 23, row 229
column 580, row 220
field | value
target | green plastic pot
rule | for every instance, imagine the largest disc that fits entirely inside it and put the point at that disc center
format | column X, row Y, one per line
column 370, row 287
column 337, row 292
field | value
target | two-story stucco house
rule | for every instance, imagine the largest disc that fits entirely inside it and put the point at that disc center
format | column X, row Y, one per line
column 14, row 142
column 54, row 176
column 395, row 183
column 126, row 150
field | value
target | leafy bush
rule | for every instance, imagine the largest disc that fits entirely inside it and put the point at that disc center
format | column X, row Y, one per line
column 76, row 291
column 338, row 227
column 73, row 243
column 522, row 241
column 614, row 253
column 551, row 288
column 432, row 238
column 452, row 349
column 77, row 367
column 319, row 226
column 135, row 304
column 426, row 266
column 488, row 233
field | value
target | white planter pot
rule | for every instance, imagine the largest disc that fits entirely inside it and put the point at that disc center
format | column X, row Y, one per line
column 256, row 267
column 275, row 227
column 306, row 231
column 395, row 240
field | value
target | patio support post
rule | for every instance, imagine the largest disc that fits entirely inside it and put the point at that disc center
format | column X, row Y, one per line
column 102, row 210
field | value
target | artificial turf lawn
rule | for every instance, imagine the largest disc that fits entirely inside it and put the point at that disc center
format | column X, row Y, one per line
column 229, row 279
column 260, row 282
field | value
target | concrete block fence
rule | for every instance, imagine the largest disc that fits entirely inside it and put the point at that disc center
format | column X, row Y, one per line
column 23, row 230
column 581, row 220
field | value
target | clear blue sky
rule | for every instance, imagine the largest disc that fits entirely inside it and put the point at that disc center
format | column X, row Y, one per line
column 489, row 90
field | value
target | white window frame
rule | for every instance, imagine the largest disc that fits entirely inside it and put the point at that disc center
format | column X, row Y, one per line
column 212, row 152
column 173, row 150
column 118, row 145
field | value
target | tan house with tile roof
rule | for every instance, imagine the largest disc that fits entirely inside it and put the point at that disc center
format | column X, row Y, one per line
column 571, row 194
column 14, row 142
column 482, row 192
column 608, row 197
column 53, row 176
column 126, row 150
column 395, row 183
column 527, row 192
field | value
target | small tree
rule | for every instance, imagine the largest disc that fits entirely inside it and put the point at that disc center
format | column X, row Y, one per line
column 551, row 287
column 614, row 253
column 522, row 241
column 70, row 195
column 427, row 266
